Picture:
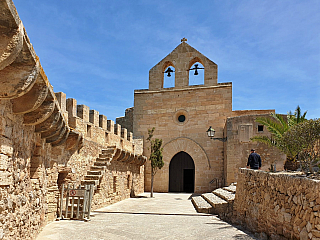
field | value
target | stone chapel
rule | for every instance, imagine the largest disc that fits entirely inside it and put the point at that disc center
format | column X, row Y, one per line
column 181, row 116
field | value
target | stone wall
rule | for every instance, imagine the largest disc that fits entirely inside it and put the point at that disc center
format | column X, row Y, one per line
column 47, row 140
column 127, row 120
column 31, row 170
column 239, row 131
column 278, row 205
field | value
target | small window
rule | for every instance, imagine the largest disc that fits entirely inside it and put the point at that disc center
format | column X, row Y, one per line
column 181, row 118
column 260, row 128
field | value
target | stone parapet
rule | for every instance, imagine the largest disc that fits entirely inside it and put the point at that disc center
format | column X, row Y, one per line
column 24, row 82
column 95, row 126
column 278, row 205
column 47, row 140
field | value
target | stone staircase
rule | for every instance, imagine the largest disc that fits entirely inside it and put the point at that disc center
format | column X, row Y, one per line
column 220, row 201
column 96, row 172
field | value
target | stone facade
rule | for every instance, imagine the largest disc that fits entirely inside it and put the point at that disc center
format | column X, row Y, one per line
column 47, row 140
column 240, row 129
column 278, row 205
column 200, row 106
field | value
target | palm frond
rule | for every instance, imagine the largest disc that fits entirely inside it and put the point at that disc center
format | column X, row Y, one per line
column 263, row 139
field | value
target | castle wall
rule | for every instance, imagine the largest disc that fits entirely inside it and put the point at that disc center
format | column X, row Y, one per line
column 202, row 107
column 47, row 140
column 127, row 120
column 278, row 205
column 31, row 170
column 239, row 131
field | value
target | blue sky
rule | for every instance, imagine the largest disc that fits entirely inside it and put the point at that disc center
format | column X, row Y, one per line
column 99, row 52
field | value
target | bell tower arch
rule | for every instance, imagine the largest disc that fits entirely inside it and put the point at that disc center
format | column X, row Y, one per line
column 182, row 58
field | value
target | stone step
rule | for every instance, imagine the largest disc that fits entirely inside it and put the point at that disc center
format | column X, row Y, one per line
column 102, row 159
column 90, row 182
column 108, row 150
column 98, row 168
column 93, row 172
column 107, row 155
column 92, row 177
column 201, row 205
column 224, row 194
column 230, row 188
column 218, row 204
column 101, row 163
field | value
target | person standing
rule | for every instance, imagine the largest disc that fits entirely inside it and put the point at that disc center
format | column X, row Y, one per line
column 254, row 160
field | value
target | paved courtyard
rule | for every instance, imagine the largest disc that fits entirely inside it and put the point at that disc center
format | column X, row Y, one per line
column 166, row 216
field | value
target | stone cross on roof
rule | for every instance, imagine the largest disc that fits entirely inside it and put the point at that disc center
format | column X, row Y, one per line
column 184, row 40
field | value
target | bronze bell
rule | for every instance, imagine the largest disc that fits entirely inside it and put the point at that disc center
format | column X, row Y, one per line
column 169, row 71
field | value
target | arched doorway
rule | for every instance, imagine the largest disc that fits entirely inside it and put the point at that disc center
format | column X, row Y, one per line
column 181, row 173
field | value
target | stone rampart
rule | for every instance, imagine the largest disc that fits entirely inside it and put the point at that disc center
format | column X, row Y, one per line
column 47, row 140
column 278, row 205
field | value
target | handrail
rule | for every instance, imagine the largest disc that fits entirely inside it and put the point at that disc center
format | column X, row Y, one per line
column 219, row 182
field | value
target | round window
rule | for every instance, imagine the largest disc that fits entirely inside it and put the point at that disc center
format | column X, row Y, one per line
column 181, row 118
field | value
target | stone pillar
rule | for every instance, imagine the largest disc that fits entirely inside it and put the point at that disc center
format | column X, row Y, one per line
column 110, row 126
column 117, row 129
column 72, row 107
column 83, row 112
column 103, row 122
column 124, row 133
column 61, row 97
column 94, row 117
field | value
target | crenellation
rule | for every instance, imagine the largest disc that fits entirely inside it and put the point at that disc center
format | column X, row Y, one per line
column 94, row 117
column 124, row 133
column 110, row 126
column 61, row 97
column 130, row 136
column 83, row 112
column 71, row 107
column 103, row 122
column 47, row 140
column 117, row 129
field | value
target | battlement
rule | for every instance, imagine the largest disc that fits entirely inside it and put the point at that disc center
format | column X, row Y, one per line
column 94, row 126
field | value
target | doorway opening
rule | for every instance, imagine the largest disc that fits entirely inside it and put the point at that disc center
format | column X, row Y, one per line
column 181, row 173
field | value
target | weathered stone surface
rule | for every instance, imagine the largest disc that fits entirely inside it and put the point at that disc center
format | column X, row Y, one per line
column 201, row 205
column 282, row 205
column 32, row 99
column 226, row 195
column 40, row 151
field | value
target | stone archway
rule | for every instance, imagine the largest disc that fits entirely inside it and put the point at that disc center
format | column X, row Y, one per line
column 181, row 173
column 202, row 172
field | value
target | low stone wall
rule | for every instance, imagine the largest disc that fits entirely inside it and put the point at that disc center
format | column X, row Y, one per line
column 278, row 205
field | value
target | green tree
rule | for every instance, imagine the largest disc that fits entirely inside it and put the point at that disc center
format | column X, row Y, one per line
column 277, row 125
column 303, row 140
column 297, row 117
column 155, row 155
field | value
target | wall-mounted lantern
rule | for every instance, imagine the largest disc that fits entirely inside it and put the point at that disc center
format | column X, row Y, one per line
column 211, row 132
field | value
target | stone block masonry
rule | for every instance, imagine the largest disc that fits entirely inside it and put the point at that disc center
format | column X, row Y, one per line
column 278, row 205
column 47, row 140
